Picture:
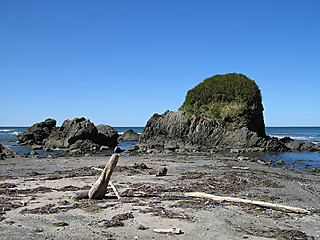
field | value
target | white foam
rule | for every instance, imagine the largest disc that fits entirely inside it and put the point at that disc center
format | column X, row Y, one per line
column 5, row 130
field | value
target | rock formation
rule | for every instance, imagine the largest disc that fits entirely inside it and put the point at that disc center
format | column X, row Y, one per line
column 79, row 134
column 129, row 136
column 176, row 131
column 37, row 133
column 7, row 153
column 223, row 113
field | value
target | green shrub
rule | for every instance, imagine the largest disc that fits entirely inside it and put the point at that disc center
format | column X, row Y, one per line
column 225, row 98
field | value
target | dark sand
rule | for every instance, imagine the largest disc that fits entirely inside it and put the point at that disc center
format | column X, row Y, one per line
column 36, row 199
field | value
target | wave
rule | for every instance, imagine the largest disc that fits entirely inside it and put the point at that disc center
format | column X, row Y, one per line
column 5, row 130
column 306, row 138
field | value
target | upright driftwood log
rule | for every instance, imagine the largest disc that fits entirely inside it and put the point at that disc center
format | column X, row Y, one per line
column 99, row 188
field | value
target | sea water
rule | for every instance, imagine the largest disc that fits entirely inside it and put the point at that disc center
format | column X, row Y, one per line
column 309, row 161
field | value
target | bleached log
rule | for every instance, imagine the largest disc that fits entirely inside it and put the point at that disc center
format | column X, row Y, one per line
column 110, row 183
column 169, row 230
column 99, row 188
column 241, row 200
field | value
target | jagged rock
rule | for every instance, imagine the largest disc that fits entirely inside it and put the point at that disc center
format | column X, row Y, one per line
column 37, row 133
column 70, row 132
column 131, row 149
column 78, row 133
column 36, row 147
column 129, row 136
column 299, row 145
column 174, row 130
column 107, row 136
column 85, row 145
column 6, row 152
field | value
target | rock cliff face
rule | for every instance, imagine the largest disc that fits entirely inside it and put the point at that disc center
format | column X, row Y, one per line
column 174, row 130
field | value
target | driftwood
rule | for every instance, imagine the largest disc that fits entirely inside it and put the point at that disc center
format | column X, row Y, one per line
column 110, row 183
column 169, row 230
column 241, row 200
column 309, row 190
column 158, row 172
column 99, row 188
column 241, row 168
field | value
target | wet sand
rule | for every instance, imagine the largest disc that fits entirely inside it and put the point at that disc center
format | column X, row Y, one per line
column 36, row 199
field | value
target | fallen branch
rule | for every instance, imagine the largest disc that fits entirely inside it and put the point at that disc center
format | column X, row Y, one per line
column 241, row 168
column 309, row 190
column 241, row 200
column 169, row 230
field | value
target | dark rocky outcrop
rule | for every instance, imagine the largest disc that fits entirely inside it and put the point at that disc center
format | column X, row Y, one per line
column 37, row 133
column 224, row 113
column 294, row 145
column 129, row 136
column 78, row 134
column 174, row 130
column 107, row 136
column 70, row 132
column 7, row 153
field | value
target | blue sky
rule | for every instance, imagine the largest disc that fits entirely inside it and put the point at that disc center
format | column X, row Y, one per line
column 118, row 62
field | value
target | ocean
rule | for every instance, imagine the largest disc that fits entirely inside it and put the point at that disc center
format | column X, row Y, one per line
column 296, row 160
column 305, row 161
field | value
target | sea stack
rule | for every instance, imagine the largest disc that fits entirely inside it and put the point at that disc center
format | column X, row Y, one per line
column 224, row 112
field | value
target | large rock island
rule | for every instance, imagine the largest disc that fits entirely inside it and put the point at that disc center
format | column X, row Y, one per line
column 224, row 113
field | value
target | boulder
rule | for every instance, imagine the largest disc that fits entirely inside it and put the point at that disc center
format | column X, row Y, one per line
column 175, row 130
column 37, row 133
column 78, row 134
column 107, row 136
column 6, row 152
column 299, row 145
column 70, row 132
column 129, row 136
column 85, row 146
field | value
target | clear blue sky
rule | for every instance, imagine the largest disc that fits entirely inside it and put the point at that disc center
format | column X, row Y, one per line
column 118, row 62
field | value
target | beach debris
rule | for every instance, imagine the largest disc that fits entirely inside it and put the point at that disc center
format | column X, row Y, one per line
column 140, row 166
column 142, row 227
column 117, row 220
column 241, row 200
column 241, row 168
column 60, row 224
column 309, row 190
column 168, row 230
column 99, row 188
column 158, row 172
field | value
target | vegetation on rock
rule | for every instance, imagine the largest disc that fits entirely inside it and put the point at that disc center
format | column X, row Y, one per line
column 225, row 98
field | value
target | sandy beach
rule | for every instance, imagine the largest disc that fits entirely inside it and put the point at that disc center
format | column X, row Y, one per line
column 36, row 199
